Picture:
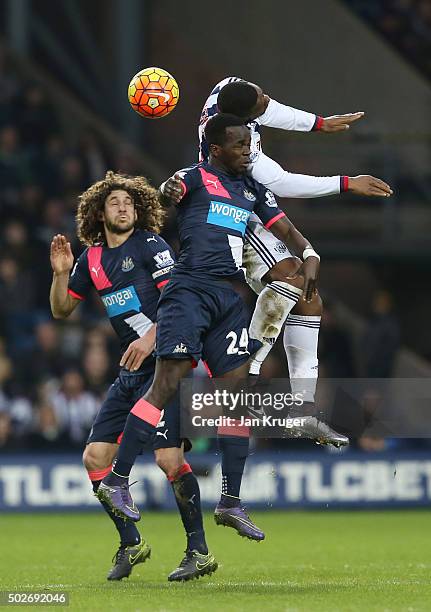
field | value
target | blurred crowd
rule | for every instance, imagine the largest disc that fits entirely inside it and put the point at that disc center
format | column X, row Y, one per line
column 54, row 375
column 405, row 23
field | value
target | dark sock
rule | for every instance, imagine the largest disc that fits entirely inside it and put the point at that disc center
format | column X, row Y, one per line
column 234, row 452
column 229, row 501
column 137, row 434
column 120, row 477
column 129, row 535
column 188, row 498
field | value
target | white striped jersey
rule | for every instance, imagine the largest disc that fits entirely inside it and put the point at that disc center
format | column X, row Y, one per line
column 264, row 169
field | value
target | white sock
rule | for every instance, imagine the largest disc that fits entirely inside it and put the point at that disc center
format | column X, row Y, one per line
column 301, row 336
column 273, row 305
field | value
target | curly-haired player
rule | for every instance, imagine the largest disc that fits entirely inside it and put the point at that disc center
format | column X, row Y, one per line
column 91, row 217
column 128, row 264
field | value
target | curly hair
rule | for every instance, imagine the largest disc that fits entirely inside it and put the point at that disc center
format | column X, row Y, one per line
column 149, row 210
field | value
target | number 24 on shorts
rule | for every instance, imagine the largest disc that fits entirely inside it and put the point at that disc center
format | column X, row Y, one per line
column 237, row 347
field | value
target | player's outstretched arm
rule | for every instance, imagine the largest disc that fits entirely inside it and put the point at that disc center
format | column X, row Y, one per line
column 286, row 184
column 289, row 185
column 62, row 303
column 285, row 117
column 285, row 231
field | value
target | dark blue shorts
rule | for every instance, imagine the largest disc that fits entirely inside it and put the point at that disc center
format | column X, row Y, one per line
column 127, row 389
column 204, row 320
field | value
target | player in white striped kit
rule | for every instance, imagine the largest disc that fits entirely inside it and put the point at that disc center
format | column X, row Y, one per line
column 267, row 261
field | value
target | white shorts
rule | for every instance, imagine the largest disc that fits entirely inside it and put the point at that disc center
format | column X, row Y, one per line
column 262, row 250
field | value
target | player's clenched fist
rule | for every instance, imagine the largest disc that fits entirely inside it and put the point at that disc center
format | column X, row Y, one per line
column 310, row 271
column 61, row 255
column 172, row 189
column 369, row 186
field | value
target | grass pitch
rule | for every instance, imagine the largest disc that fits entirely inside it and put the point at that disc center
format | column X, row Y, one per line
column 310, row 561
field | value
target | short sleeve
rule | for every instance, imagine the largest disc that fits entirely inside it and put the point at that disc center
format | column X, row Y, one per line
column 266, row 207
column 80, row 282
column 190, row 179
column 160, row 260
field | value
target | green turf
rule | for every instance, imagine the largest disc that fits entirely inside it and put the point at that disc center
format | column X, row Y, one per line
column 309, row 561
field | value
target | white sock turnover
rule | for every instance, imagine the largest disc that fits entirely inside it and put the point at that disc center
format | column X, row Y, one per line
column 301, row 336
column 273, row 305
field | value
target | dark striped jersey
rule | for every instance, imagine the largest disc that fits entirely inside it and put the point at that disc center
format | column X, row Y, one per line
column 213, row 216
column 128, row 279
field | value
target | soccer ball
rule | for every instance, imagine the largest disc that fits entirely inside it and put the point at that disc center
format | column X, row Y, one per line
column 153, row 93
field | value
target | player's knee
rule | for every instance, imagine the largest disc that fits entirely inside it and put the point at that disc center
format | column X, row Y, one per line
column 164, row 392
column 166, row 381
column 282, row 269
column 310, row 309
column 295, row 281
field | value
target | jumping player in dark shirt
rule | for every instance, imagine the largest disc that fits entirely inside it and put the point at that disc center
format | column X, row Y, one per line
column 128, row 264
column 199, row 314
